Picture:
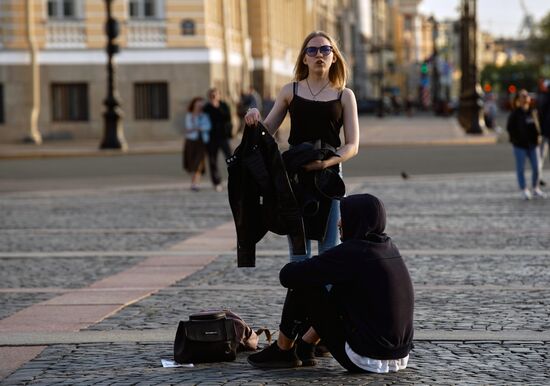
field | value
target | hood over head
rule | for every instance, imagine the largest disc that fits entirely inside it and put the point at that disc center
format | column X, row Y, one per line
column 362, row 215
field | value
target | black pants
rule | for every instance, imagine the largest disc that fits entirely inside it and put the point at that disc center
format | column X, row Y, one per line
column 213, row 148
column 315, row 307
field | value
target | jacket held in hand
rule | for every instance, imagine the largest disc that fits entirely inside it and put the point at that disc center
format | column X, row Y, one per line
column 260, row 195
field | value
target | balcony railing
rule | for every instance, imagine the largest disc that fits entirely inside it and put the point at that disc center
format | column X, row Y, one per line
column 146, row 33
column 65, row 34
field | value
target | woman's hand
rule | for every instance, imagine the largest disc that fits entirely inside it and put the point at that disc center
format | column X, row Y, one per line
column 252, row 117
column 315, row 165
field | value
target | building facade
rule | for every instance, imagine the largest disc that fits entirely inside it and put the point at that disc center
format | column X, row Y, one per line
column 53, row 63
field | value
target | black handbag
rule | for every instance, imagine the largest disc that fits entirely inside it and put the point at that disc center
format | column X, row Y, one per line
column 206, row 337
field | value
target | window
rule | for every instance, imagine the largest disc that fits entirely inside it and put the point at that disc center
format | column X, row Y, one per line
column 64, row 9
column 188, row 27
column 151, row 100
column 69, row 102
column 145, row 9
column 1, row 103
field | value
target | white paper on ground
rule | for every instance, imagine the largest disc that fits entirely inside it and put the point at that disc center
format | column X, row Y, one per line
column 171, row 363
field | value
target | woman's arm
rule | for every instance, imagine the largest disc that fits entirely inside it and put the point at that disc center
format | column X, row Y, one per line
column 277, row 114
column 351, row 135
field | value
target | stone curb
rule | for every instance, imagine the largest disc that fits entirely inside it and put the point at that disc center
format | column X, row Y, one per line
column 23, row 152
column 264, row 252
column 168, row 334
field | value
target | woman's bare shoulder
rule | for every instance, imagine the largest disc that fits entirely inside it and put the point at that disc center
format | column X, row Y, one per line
column 287, row 89
column 348, row 93
column 286, row 92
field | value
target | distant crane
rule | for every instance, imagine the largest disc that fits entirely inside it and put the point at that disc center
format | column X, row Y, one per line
column 528, row 25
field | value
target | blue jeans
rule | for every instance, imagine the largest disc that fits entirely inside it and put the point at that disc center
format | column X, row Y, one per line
column 332, row 236
column 533, row 155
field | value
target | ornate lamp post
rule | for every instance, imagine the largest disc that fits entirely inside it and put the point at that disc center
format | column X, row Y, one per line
column 436, row 100
column 469, row 111
column 113, row 136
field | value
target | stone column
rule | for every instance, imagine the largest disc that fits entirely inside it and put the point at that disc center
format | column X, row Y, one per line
column 34, row 132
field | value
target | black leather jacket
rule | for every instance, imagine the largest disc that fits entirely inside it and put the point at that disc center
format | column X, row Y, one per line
column 260, row 195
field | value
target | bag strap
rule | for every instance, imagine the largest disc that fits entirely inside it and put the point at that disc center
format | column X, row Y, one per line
column 265, row 331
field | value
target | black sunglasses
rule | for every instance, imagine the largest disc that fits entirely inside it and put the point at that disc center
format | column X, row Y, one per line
column 312, row 51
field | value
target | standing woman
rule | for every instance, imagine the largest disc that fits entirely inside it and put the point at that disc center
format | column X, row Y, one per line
column 524, row 132
column 319, row 104
column 197, row 129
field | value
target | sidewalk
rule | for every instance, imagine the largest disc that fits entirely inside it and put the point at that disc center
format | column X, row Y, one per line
column 94, row 284
column 390, row 130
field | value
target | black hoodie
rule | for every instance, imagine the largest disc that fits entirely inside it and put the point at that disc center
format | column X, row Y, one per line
column 370, row 281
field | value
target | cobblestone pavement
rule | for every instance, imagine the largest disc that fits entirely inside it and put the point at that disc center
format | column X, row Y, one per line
column 478, row 256
column 435, row 363
column 119, row 220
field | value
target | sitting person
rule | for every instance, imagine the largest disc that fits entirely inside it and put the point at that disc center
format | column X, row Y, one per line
column 366, row 318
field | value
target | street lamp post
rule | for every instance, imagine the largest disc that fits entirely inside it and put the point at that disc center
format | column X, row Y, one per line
column 469, row 111
column 113, row 136
column 381, row 107
column 436, row 100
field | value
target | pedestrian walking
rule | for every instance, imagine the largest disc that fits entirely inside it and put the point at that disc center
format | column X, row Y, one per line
column 197, row 134
column 524, row 132
column 248, row 100
column 220, row 117
column 490, row 111
column 366, row 319
column 543, row 107
column 319, row 105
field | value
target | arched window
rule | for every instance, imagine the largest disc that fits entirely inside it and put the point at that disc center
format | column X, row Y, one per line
column 188, row 27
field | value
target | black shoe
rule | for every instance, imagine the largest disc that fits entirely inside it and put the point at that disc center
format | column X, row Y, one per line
column 272, row 357
column 306, row 353
column 321, row 350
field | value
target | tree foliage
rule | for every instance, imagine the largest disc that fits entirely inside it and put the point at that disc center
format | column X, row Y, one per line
column 519, row 75
column 539, row 45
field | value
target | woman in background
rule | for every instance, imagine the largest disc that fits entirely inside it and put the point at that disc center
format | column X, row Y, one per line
column 524, row 132
column 197, row 129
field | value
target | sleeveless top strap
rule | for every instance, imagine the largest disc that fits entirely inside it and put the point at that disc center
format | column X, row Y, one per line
column 294, row 84
column 340, row 95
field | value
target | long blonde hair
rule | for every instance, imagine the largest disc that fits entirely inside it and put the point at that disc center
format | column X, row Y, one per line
column 338, row 72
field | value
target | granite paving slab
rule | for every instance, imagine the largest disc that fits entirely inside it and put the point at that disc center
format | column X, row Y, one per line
column 61, row 272
column 30, row 242
column 441, row 363
column 10, row 303
column 432, row 269
column 155, row 208
column 435, row 309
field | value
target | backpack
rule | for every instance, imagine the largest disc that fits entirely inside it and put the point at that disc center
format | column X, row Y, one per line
column 214, row 336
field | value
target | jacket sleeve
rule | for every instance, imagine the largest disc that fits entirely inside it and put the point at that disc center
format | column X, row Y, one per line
column 335, row 266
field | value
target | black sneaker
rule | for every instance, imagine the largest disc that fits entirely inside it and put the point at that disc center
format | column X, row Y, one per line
column 272, row 357
column 321, row 350
column 306, row 353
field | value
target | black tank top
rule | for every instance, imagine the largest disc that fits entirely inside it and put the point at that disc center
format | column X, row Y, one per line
column 313, row 120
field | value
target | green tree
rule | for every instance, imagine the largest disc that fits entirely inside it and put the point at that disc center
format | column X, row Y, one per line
column 539, row 45
column 521, row 75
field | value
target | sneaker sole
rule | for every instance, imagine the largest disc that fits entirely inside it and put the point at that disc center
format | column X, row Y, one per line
column 309, row 363
column 276, row 365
